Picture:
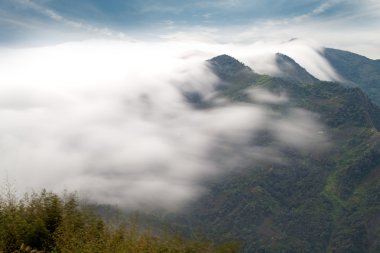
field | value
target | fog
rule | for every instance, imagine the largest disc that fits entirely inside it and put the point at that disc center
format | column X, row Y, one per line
column 108, row 118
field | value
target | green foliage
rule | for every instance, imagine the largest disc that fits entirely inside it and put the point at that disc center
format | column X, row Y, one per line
column 44, row 221
column 356, row 172
column 313, row 202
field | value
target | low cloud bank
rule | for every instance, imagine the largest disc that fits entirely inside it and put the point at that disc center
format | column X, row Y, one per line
column 109, row 119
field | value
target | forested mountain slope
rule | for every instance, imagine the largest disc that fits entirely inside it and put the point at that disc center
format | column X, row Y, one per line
column 325, row 201
column 357, row 71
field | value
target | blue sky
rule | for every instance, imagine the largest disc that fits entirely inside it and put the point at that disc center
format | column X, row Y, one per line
column 38, row 21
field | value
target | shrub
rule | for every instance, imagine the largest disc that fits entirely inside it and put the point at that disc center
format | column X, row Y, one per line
column 49, row 223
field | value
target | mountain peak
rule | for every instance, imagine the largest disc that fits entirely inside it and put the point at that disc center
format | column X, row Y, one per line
column 226, row 66
column 226, row 59
column 290, row 70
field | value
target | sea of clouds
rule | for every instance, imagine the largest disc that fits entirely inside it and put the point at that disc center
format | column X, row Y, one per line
column 109, row 119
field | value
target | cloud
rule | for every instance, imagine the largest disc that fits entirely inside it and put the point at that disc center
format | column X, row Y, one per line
column 109, row 119
column 264, row 96
column 82, row 26
column 322, row 8
column 260, row 55
column 345, row 24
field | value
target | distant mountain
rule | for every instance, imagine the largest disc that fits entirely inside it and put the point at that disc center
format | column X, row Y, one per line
column 328, row 202
column 292, row 71
column 357, row 70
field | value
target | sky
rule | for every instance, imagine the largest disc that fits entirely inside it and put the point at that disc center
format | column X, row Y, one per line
column 92, row 93
column 347, row 24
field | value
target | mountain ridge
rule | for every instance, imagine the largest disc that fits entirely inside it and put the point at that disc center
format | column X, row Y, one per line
column 357, row 70
column 313, row 203
column 292, row 71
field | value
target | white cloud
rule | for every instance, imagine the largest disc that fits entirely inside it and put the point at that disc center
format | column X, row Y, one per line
column 55, row 16
column 322, row 8
column 351, row 26
column 264, row 96
column 108, row 118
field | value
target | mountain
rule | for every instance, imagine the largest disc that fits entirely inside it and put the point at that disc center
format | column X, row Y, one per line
column 229, row 69
column 357, row 70
column 292, row 71
column 315, row 202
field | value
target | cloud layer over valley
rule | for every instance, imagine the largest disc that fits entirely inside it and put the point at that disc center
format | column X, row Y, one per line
column 109, row 119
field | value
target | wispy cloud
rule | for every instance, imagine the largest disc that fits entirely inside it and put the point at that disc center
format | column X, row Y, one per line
column 325, row 6
column 55, row 16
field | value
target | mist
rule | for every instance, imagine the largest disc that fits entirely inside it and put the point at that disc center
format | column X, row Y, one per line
column 109, row 119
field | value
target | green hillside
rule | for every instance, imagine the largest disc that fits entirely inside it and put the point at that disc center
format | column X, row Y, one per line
column 315, row 202
column 357, row 71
